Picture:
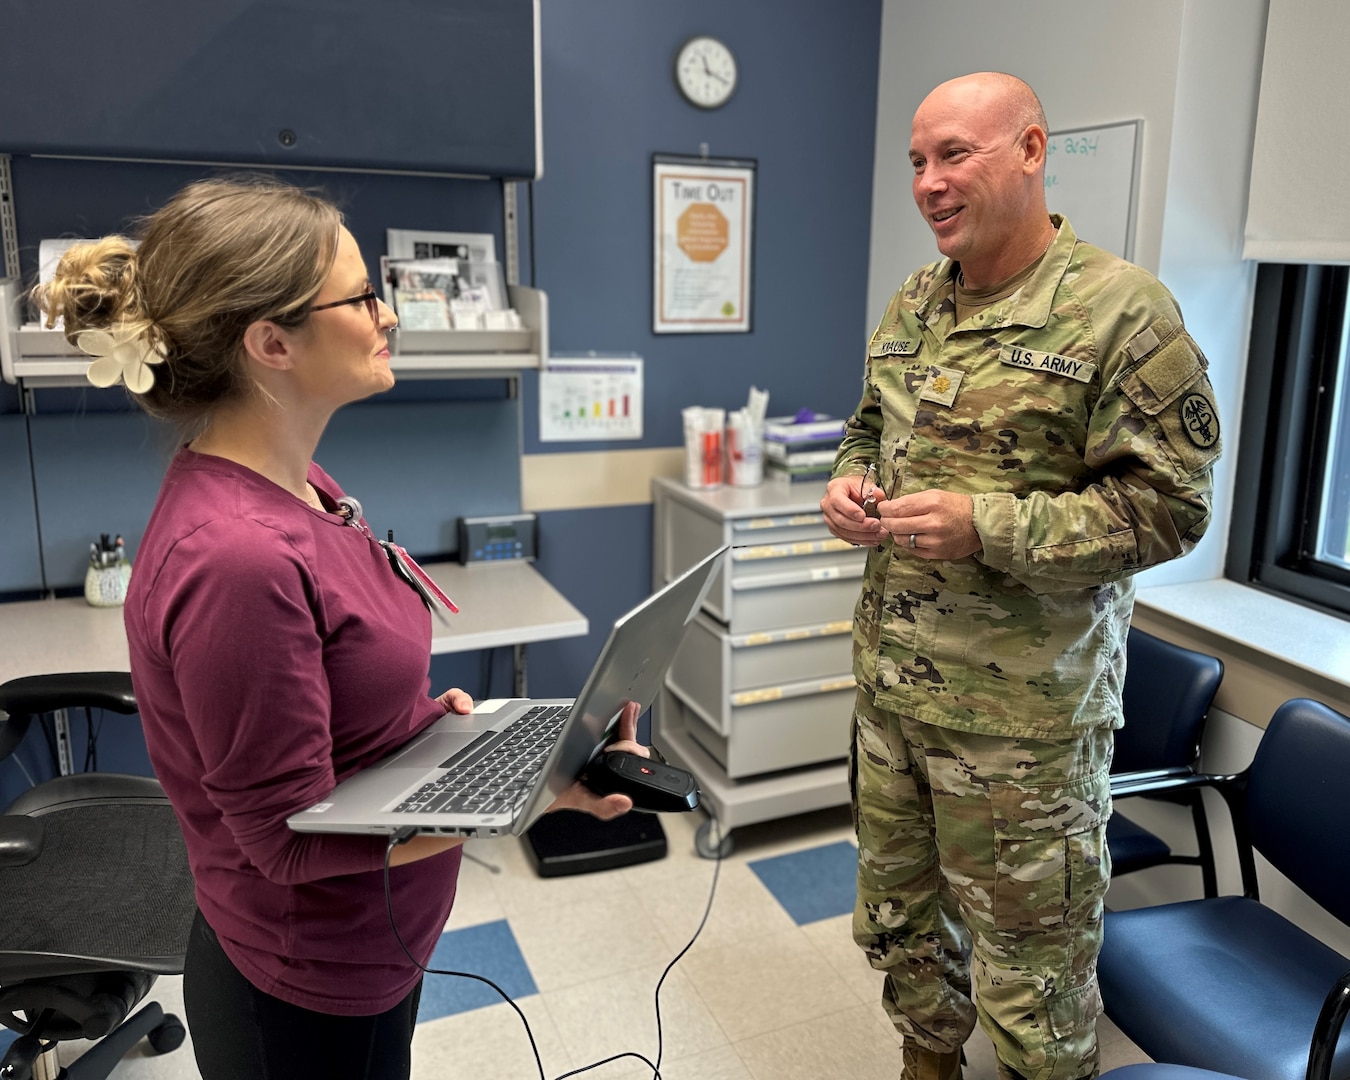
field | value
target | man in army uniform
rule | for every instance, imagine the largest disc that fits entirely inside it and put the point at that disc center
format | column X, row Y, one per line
column 1035, row 426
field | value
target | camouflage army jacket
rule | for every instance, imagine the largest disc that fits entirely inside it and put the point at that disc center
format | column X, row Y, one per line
column 1078, row 416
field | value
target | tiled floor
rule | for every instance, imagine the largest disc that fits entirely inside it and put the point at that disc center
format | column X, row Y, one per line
column 774, row 988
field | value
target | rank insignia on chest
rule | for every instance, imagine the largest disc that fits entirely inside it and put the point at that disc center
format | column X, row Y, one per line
column 1050, row 363
column 941, row 385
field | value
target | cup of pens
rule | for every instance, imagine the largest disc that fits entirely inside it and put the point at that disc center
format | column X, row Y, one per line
column 105, row 582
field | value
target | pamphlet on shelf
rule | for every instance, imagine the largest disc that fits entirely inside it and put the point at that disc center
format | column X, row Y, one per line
column 405, row 245
column 421, row 309
column 466, row 314
column 425, row 244
column 444, row 293
column 787, row 454
column 778, row 471
column 805, row 426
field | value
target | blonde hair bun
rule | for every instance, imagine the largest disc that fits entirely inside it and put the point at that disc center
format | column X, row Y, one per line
column 93, row 288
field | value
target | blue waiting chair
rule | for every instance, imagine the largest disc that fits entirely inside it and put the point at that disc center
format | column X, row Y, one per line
column 1226, row 983
column 1166, row 697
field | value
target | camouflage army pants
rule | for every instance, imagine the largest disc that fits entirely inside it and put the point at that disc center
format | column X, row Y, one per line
column 982, row 867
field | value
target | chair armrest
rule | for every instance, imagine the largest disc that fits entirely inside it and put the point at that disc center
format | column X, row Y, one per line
column 1233, row 788
column 1327, row 1030
column 92, row 788
column 20, row 840
column 1147, row 783
column 69, row 690
column 1120, row 782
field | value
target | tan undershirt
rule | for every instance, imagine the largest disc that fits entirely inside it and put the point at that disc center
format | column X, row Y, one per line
column 971, row 301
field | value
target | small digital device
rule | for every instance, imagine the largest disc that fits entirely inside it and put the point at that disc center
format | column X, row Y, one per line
column 501, row 538
column 653, row 785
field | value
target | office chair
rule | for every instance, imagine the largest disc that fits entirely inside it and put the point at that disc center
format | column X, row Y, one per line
column 1167, row 694
column 1225, row 983
column 96, row 893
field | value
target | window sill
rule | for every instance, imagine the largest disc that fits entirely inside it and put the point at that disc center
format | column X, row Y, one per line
column 1295, row 638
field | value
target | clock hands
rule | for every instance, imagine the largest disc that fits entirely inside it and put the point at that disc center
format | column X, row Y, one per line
column 709, row 71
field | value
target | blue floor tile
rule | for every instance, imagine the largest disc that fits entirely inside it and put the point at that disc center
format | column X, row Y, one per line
column 818, row 883
column 489, row 950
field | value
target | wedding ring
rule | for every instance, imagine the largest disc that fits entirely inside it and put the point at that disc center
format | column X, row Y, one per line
column 912, row 538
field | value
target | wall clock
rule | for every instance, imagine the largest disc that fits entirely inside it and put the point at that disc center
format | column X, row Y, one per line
column 705, row 72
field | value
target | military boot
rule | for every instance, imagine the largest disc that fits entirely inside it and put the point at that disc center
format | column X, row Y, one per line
column 921, row 1064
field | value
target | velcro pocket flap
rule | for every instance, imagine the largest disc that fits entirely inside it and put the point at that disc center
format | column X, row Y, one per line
column 1155, row 383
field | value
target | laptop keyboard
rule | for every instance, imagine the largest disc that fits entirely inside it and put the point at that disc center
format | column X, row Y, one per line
column 501, row 777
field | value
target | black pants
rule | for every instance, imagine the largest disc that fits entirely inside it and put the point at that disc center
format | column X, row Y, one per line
column 240, row 1033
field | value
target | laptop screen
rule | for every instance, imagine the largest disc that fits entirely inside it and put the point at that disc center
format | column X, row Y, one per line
column 631, row 667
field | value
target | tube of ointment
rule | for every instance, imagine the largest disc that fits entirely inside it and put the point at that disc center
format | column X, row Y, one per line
column 713, row 420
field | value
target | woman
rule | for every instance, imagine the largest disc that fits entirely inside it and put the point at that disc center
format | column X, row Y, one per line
column 274, row 649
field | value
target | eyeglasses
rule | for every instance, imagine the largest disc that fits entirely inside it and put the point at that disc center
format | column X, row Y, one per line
column 370, row 298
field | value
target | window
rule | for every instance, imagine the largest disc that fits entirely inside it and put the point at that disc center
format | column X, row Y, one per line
column 1291, row 521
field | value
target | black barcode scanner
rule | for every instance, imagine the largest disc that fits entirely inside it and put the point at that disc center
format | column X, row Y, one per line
column 653, row 786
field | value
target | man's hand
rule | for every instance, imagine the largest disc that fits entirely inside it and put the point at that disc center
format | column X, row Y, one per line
column 842, row 507
column 940, row 523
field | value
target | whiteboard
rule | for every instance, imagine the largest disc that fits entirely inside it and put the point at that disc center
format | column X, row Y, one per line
column 1092, row 178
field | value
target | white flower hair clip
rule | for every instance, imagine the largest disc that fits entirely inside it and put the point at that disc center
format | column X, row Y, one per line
column 120, row 354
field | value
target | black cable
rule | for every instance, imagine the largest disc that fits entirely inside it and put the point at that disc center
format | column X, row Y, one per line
column 402, row 837
column 406, row 834
column 91, row 747
column 712, row 892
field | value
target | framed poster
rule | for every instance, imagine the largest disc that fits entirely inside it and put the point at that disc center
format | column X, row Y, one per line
column 703, row 212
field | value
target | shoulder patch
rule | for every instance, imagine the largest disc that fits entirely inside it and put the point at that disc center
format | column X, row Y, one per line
column 1199, row 420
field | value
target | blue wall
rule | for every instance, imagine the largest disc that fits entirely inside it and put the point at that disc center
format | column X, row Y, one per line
column 805, row 109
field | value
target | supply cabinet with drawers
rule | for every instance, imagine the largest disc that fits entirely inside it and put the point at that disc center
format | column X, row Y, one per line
column 758, row 701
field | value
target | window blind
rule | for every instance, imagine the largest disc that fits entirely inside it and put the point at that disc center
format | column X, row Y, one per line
column 1298, row 207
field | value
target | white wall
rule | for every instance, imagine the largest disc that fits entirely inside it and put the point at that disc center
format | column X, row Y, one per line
column 1219, row 74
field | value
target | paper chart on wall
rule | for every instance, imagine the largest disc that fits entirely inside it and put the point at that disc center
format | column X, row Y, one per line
column 589, row 396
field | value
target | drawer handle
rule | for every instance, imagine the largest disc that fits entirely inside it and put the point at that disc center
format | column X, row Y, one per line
column 776, row 637
column 852, row 569
column 783, row 551
column 792, row 690
column 777, row 522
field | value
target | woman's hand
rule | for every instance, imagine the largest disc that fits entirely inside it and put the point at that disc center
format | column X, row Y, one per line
column 606, row 807
column 456, row 700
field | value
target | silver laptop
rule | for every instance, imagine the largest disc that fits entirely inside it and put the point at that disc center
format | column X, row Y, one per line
column 493, row 771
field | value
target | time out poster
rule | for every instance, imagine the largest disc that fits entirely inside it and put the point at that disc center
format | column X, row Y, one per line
column 702, row 242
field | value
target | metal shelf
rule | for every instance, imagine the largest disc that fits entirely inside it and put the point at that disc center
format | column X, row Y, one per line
column 34, row 358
